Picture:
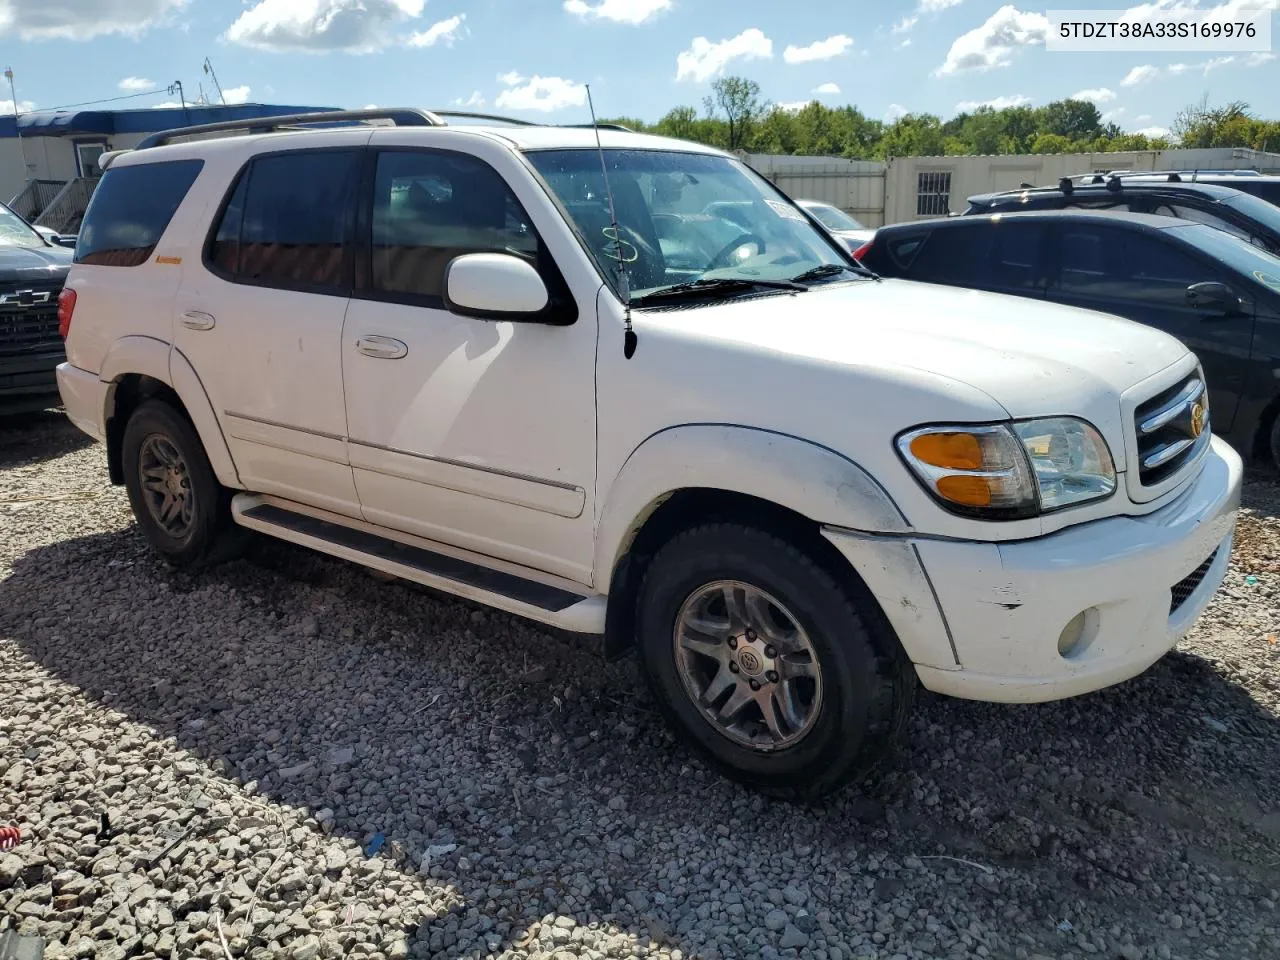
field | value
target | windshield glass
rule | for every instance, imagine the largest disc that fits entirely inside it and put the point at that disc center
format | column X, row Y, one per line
column 683, row 217
column 1267, row 214
column 15, row 232
column 1244, row 256
column 833, row 218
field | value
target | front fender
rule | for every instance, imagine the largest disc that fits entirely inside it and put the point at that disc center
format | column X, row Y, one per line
column 810, row 479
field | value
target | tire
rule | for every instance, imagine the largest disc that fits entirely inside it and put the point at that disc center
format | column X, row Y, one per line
column 856, row 707
column 204, row 533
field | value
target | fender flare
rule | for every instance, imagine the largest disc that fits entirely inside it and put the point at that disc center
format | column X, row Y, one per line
column 161, row 361
column 806, row 477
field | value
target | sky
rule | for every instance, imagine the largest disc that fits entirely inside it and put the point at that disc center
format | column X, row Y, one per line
column 531, row 58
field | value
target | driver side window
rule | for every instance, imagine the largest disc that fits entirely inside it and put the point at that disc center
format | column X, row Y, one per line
column 430, row 207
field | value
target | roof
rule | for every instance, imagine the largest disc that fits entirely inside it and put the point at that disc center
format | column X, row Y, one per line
column 1101, row 189
column 106, row 122
column 583, row 138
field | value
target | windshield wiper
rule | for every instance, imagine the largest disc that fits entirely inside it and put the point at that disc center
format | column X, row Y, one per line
column 830, row 270
column 711, row 286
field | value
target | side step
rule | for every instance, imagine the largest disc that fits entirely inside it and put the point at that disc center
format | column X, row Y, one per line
column 547, row 599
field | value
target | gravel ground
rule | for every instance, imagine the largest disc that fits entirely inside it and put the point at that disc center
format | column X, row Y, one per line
column 199, row 766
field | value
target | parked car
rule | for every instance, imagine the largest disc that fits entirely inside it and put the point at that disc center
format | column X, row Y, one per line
column 796, row 489
column 838, row 223
column 1239, row 213
column 1218, row 294
column 1264, row 186
column 32, row 271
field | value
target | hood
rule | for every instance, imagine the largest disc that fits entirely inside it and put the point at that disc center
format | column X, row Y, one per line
column 1030, row 357
column 33, row 264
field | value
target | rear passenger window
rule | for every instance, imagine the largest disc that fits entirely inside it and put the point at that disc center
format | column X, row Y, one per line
column 431, row 207
column 954, row 255
column 287, row 222
column 130, row 211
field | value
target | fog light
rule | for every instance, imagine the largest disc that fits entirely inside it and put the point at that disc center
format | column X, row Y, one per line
column 1077, row 635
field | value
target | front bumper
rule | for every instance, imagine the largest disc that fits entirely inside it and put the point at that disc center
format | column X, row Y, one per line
column 983, row 620
column 27, row 380
column 1008, row 604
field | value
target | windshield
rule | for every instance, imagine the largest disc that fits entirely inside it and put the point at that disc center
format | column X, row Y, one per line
column 1244, row 256
column 15, row 232
column 683, row 217
column 833, row 218
column 1267, row 214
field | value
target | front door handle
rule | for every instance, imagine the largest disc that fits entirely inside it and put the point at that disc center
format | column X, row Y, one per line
column 382, row 348
column 198, row 320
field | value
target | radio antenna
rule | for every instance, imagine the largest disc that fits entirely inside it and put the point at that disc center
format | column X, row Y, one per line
column 624, row 280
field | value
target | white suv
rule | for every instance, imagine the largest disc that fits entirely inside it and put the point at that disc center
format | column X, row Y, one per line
column 704, row 432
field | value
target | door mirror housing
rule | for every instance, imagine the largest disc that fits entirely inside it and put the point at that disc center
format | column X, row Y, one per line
column 496, row 286
column 1215, row 297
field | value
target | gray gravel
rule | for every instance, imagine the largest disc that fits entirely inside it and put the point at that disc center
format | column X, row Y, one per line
column 200, row 759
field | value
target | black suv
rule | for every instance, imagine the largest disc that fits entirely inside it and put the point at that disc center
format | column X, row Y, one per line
column 1264, row 186
column 1235, row 211
column 1216, row 293
column 32, row 271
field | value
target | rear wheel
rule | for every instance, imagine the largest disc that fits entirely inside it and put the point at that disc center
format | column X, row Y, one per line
column 182, row 509
column 781, row 676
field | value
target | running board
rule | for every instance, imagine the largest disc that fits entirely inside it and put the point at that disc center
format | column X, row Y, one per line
column 550, row 600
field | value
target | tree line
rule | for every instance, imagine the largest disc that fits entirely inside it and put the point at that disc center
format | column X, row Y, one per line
column 735, row 117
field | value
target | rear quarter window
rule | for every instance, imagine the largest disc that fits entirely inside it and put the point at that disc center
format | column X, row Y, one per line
column 130, row 211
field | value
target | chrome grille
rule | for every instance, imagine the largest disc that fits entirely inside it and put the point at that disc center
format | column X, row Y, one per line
column 29, row 317
column 1171, row 428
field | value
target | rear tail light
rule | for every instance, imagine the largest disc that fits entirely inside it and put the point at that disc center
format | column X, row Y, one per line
column 862, row 251
column 66, row 307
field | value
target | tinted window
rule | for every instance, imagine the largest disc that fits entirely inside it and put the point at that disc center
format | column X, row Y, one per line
column 1014, row 260
column 431, row 207
column 1100, row 261
column 130, row 211
column 287, row 219
column 950, row 255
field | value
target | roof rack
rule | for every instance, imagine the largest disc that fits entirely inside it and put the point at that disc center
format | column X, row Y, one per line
column 485, row 116
column 295, row 121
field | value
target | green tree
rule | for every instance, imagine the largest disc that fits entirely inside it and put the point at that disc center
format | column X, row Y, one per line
column 739, row 100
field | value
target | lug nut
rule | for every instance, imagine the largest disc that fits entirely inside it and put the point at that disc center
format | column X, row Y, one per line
column 733, row 668
column 733, row 643
column 751, row 634
column 772, row 676
column 755, row 684
column 771, row 651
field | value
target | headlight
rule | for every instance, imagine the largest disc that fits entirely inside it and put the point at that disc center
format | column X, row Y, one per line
column 1011, row 471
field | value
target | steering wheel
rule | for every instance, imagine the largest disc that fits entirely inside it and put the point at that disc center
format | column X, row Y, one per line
column 721, row 259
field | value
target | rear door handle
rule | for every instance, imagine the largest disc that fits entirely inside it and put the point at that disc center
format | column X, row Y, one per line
column 198, row 320
column 382, row 348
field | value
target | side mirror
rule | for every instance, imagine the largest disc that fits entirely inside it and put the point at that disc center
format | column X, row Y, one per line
column 1213, row 296
column 494, row 286
column 50, row 236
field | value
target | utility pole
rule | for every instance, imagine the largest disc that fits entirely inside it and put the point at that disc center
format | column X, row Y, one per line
column 13, row 93
column 208, row 68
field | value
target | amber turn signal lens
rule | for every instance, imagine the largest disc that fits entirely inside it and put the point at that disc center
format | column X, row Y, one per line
column 952, row 451
column 968, row 491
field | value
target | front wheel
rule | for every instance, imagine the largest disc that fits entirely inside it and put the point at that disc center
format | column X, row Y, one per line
column 777, row 673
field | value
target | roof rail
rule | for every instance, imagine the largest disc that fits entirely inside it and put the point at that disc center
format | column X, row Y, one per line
column 485, row 116
column 399, row 117
column 602, row 126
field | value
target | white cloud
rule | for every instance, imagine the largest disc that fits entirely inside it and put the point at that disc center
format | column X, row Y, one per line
column 24, row 106
column 826, row 49
column 933, row 6
column 167, row 105
column 827, row 89
column 314, row 26
column 236, row 94
column 1140, row 75
column 995, row 103
column 542, row 93
column 619, row 11
column 704, row 59
column 895, row 112
column 1214, row 62
column 1177, row 69
column 475, row 100
column 1142, row 118
column 904, row 44
column 81, row 19
column 993, row 44
column 1258, row 59
column 1153, row 132
column 905, row 24
column 793, row 106
column 136, row 84
column 445, row 31
column 1113, row 114
column 1095, row 95
column 510, row 78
